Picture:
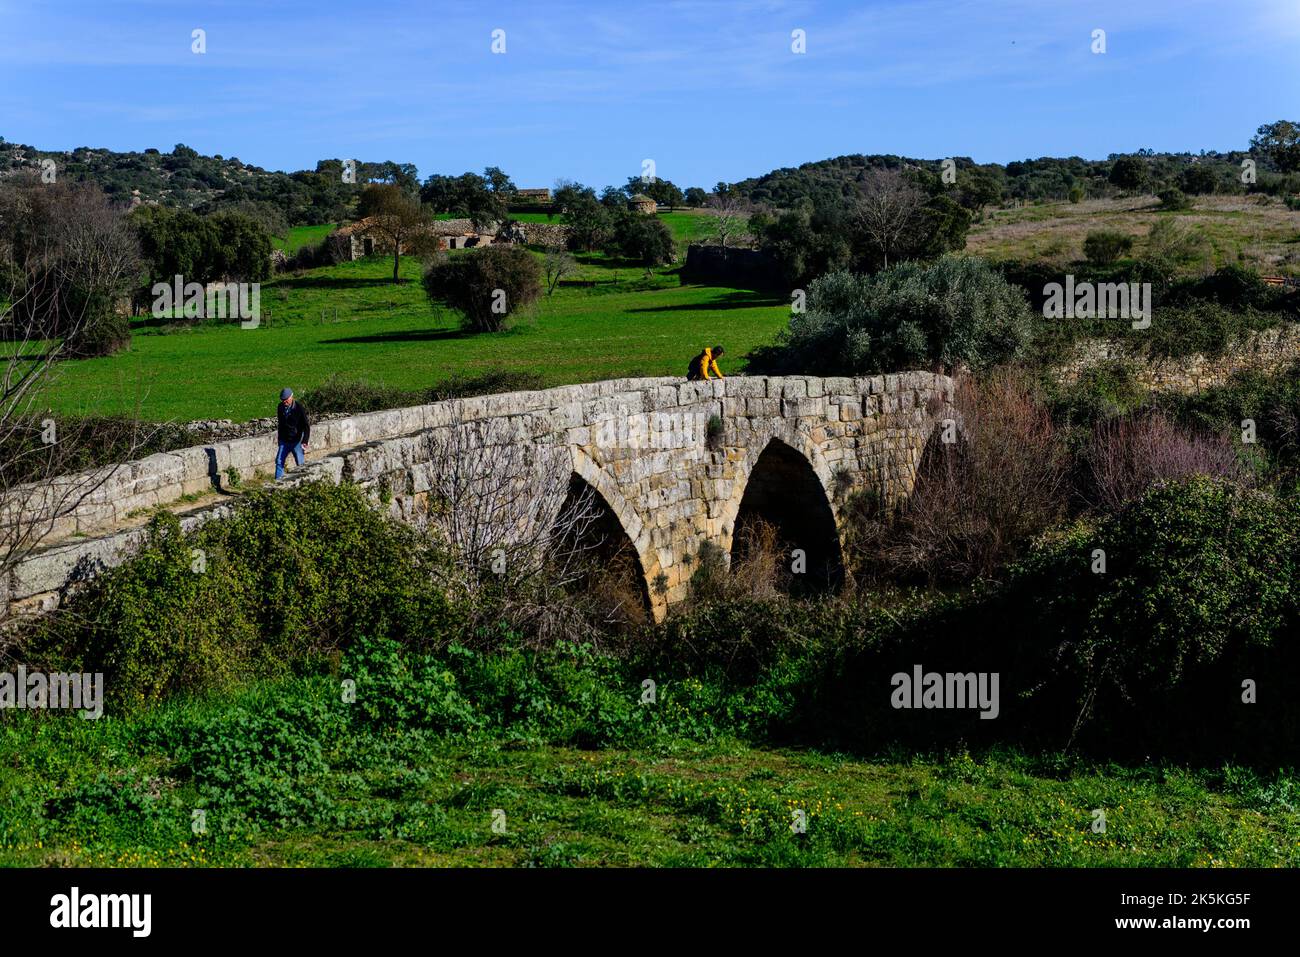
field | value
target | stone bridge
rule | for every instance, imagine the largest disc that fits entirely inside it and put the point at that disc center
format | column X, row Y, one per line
column 676, row 464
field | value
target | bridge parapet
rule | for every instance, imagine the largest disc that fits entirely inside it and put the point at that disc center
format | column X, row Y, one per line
column 678, row 463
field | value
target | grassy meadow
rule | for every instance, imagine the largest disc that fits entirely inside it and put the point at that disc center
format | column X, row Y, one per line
column 122, row 793
column 607, row 321
column 300, row 236
column 1232, row 230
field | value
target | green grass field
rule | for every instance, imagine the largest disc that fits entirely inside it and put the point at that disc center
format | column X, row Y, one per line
column 300, row 236
column 350, row 320
column 106, row 793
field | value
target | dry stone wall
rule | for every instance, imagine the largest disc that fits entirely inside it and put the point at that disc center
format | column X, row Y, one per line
column 1270, row 351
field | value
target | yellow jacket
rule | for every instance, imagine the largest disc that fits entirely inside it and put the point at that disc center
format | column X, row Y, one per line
column 707, row 362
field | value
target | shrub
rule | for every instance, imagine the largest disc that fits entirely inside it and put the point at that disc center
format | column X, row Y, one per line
column 103, row 330
column 1129, row 454
column 1173, row 199
column 1170, row 241
column 294, row 574
column 1198, row 592
column 340, row 394
column 1271, row 402
column 1234, row 287
column 953, row 312
column 84, row 443
column 1198, row 180
column 488, row 284
column 978, row 500
column 1104, row 246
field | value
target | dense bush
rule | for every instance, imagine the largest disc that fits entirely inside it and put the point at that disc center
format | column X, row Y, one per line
column 1129, row 454
column 955, row 312
column 488, row 284
column 293, row 575
column 1271, row 403
column 1173, row 199
column 1169, row 241
column 84, row 443
column 1145, row 655
column 1104, row 246
column 1198, row 593
column 978, row 500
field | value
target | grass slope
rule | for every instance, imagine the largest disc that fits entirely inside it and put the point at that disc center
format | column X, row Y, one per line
column 350, row 320
column 1234, row 231
column 300, row 236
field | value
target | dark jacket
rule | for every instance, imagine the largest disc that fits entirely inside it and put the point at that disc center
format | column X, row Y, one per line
column 292, row 423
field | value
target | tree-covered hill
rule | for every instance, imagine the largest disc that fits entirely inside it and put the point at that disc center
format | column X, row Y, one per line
column 186, row 179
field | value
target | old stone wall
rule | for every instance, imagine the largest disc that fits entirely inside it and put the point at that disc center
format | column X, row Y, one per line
column 1269, row 351
column 746, row 268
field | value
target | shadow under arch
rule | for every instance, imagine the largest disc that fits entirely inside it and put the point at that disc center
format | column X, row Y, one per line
column 605, row 560
column 783, row 491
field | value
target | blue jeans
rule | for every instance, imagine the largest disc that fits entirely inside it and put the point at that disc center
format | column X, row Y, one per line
column 283, row 454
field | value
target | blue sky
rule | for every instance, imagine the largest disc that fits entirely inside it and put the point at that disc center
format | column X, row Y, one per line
column 708, row 89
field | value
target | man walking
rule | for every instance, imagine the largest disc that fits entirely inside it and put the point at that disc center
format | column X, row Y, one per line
column 294, row 430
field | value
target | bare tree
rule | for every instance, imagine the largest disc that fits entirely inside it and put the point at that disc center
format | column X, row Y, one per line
column 66, row 256
column 888, row 210
column 557, row 264
column 398, row 219
column 511, row 520
column 729, row 212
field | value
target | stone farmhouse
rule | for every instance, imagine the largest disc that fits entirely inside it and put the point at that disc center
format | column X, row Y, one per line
column 356, row 240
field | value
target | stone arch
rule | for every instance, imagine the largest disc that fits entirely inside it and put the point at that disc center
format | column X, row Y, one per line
column 788, row 486
column 929, row 443
column 629, row 521
column 609, row 557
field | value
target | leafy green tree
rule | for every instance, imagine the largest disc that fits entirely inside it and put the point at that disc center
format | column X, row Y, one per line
column 481, row 199
column 1280, row 143
column 175, row 242
column 1129, row 173
column 243, row 249
column 695, row 197
column 644, row 239
column 488, row 284
column 979, row 187
column 662, row 191
column 590, row 222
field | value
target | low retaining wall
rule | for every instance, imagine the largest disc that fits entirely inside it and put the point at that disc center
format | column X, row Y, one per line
column 1270, row 352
